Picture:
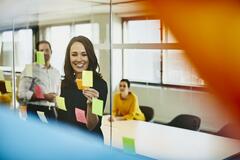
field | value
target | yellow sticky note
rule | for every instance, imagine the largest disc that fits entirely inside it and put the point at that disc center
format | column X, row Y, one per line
column 42, row 116
column 28, row 70
column 61, row 103
column 23, row 108
column 40, row 58
column 87, row 78
column 22, row 112
column 97, row 106
column 128, row 144
column 1, row 75
column 8, row 86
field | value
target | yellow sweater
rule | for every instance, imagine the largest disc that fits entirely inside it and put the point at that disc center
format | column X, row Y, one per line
column 128, row 108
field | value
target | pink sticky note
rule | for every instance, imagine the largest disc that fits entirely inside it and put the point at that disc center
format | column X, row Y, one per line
column 80, row 115
column 38, row 92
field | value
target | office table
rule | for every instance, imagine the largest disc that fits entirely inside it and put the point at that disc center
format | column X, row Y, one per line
column 165, row 142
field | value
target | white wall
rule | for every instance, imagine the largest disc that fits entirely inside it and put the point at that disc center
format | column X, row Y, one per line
column 168, row 103
column 104, row 54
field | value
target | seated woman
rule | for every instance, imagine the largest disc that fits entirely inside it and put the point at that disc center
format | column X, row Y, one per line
column 125, row 104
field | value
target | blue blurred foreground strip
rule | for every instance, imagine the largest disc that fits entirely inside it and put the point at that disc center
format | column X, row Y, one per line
column 32, row 140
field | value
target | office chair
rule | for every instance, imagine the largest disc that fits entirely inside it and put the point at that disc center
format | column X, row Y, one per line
column 230, row 130
column 186, row 121
column 148, row 112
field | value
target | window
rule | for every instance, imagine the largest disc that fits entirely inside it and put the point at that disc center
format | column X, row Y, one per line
column 178, row 71
column 142, row 31
column 147, row 60
column 142, row 65
column 59, row 37
column 139, row 62
column 22, row 47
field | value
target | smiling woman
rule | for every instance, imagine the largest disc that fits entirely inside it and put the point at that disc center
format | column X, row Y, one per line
column 80, row 56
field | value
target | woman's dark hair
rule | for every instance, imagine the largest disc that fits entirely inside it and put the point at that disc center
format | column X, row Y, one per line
column 93, row 63
column 127, row 81
column 41, row 42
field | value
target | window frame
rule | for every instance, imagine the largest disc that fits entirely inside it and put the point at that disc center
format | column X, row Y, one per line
column 162, row 46
column 35, row 35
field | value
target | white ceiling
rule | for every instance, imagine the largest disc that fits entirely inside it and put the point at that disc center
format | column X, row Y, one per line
column 39, row 11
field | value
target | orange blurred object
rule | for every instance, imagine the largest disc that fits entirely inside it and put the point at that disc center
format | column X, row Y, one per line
column 209, row 32
column 6, row 98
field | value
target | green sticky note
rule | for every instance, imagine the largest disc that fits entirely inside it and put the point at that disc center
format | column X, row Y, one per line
column 128, row 144
column 8, row 86
column 97, row 106
column 1, row 75
column 61, row 103
column 87, row 78
column 40, row 58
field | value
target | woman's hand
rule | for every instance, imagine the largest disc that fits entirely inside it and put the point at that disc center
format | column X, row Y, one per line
column 111, row 119
column 119, row 118
column 92, row 119
column 90, row 93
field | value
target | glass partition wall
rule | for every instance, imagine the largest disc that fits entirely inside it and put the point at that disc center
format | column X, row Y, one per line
column 23, row 69
column 129, row 43
column 7, row 74
column 163, row 83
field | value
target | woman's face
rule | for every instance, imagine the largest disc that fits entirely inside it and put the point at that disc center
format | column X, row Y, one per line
column 123, row 87
column 78, row 57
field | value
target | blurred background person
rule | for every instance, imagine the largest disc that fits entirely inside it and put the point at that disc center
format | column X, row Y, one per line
column 40, row 89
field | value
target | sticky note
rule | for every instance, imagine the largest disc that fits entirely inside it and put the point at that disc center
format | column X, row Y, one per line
column 38, row 92
column 1, row 75
column 79, row 84
column 61, row 103
column 80, row 115
column 23, row 108
column 42, row 116
column 8, row 86
column 28, row 70
column 128, row 144
column 40, row 58
column 87, row 78
column 97, row 106
column 22, row 112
